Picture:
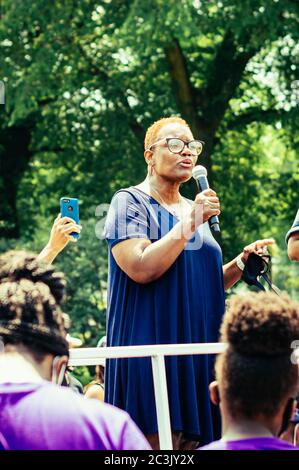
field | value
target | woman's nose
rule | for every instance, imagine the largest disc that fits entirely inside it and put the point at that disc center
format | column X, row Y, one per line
column 186, row 150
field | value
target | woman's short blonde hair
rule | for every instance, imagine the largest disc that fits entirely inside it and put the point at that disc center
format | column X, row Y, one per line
column 153, row 130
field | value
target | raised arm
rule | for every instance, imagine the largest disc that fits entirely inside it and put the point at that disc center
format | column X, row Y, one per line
column 59, row 238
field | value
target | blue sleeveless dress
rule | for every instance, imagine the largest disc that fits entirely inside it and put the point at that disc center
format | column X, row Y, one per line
column 185, row 305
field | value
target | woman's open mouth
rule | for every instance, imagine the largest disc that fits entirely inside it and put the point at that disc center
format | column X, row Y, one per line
column 187, row 163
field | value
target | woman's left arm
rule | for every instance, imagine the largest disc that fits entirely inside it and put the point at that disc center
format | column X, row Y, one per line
column 232, row 273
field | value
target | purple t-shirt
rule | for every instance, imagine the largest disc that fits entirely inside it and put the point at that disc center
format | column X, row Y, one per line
column 253, row 443
column 38, row 416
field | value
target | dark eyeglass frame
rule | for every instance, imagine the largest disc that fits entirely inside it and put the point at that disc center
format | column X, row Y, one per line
column 183, row 141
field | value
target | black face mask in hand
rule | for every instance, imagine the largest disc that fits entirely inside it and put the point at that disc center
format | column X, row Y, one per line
column 258, row 266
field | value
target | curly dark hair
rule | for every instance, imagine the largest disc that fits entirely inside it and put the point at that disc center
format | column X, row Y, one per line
column 30, row 296
column 255, row 373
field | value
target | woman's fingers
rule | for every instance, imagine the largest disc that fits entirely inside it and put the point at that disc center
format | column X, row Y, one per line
column 206, row 205
column 56, row 221
column 209, row 203
column 201, row 199
column 208, row 192
column 69, row 228
column 259, row 247
column 213, row 199
column 260, row 244
column 65, row 220
column 212, row 208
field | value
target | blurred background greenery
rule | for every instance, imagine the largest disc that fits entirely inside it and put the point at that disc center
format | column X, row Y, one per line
column 83, row 81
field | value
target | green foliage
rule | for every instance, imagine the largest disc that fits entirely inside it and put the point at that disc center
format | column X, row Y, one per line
column 84, row 80
column 83, row 374
column 84, row 264
column 257, row 176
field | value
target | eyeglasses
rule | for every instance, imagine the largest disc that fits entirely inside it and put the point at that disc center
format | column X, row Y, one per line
column 176, row 145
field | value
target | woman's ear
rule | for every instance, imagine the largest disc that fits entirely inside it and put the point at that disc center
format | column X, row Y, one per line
column 214, row 392
column 148, row 156
column 59, row 368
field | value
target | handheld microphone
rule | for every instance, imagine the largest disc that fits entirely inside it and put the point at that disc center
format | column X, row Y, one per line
column 199, row 173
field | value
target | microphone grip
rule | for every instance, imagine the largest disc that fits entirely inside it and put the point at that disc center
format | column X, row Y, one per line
column 214, row 224
column 202, row 183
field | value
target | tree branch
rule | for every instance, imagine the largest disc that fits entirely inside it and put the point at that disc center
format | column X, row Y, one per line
column 224, row 78
column 136, row 128
column 268, row 116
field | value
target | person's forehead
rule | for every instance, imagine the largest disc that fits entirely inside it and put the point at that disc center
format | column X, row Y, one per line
column 175, row 129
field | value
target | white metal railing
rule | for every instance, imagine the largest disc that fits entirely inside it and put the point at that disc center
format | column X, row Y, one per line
column 157, row 352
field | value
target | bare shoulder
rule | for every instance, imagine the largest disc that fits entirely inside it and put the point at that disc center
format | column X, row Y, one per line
column 143, row 187
column 95, row 391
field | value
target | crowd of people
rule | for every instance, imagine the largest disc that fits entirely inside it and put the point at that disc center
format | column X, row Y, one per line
column 35, row 412
column 166, row 285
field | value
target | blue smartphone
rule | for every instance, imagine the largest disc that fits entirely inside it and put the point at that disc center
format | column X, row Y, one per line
column 69, row 207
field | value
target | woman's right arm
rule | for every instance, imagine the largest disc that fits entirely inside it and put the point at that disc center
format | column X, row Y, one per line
column 144, row 261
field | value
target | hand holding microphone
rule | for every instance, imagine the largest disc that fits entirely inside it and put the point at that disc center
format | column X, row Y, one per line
column 206, row 205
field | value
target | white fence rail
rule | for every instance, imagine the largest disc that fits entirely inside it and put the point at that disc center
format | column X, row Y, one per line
column 157, row 352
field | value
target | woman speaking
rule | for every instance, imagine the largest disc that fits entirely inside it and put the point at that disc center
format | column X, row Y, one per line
column 166, row 286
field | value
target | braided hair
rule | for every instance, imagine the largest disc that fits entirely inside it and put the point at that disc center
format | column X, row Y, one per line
column 255, row 373
column 31, row 293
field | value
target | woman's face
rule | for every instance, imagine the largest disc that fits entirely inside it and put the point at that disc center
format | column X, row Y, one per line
column 175, row 167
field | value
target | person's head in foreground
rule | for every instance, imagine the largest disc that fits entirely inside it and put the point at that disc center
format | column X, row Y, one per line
column 32, row 324
column 35, row 413
column 256, row 379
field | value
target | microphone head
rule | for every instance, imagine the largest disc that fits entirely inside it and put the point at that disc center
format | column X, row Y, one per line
column 198, row 171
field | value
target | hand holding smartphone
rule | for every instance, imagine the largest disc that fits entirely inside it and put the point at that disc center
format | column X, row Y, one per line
column 69, row 207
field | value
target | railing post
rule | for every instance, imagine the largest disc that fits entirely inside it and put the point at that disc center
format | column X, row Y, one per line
column 91, row 356
column 162, row 403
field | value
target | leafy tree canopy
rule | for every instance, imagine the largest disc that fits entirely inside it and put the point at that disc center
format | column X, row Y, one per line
column 84, row 79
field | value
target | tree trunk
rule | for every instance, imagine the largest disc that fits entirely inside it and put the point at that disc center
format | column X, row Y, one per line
column 14, row 158
column 204, row 108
